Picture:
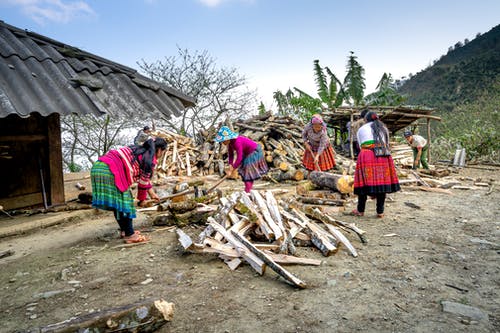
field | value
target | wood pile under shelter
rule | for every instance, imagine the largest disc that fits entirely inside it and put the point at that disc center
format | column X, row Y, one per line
column 262, row 231
column 395, row 118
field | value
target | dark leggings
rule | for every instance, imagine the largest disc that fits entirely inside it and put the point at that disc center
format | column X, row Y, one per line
column 125, row 223
column 380, row 202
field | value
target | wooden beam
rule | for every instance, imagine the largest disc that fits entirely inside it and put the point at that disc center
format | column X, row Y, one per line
column 55, row 186
column 413, row 115
column 429, row 140
column 270, row 262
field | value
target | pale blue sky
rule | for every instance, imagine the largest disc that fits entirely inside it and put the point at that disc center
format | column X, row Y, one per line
column 272, row 42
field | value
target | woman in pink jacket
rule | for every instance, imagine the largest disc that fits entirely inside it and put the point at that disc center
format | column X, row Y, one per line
column 114, row 173
column 249, row 161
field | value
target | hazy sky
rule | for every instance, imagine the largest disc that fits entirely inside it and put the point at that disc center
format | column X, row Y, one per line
column 272, row 42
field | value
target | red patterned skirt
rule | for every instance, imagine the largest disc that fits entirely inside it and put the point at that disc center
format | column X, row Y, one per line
column 326, row 160
column 375, row 174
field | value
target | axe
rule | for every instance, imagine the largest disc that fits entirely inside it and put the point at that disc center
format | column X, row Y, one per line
column 194, row 190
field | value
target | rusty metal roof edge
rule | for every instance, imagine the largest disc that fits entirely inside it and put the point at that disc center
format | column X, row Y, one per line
column 187, row 101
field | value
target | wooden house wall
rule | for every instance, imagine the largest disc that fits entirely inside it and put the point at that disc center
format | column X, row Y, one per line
column 30, row 151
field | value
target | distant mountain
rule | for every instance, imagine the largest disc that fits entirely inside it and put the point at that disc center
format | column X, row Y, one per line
column 465, row 74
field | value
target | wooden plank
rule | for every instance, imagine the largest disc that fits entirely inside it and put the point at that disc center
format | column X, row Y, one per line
column 270, row 262
column 184, row 239
column 319, row 236
column 55, row 185
column 268, row 232
column 254, row 261
column 233, row 263
column 341, row 238
column 213, row 245
column 261, row 203
column 292, row 260
column 273, row 207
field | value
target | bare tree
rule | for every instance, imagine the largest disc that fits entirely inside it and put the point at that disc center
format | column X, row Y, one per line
column 220, row 92
column 85, row 138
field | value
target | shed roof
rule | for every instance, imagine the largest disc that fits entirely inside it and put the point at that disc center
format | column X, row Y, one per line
column 39, row 74
column 394, row 117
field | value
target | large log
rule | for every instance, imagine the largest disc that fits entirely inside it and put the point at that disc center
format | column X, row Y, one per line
column 144, row 316
column 198, row 215
column 320, row 201
column 292, row 174
column 340, row 183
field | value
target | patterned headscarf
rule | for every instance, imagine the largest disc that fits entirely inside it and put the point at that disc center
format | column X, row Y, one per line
column 224, row 134
column 316, row 120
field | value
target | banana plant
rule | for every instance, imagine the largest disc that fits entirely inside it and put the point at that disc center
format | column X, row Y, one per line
column 354, row 81
column 327, row 91
column 386, row 93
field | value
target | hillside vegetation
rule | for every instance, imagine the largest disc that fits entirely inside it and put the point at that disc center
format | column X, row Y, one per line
column 464, row 86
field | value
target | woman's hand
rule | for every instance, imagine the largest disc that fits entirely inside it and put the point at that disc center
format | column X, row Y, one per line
column 153, row 195
column 229, row 171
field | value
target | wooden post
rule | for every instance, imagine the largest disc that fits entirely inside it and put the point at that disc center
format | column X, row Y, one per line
column 429, row 140
column 351, row 137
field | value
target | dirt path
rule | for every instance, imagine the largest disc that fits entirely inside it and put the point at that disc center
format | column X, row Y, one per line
column 414, row 260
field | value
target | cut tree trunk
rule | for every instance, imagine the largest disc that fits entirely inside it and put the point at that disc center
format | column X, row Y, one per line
column 144, row 316
column 320, row 201
column 340, row 183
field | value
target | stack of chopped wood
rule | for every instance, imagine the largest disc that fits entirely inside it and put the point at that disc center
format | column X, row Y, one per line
column 257, row 229
column 180, row 157
column 281, row 141
column 279, row 137
column 402, row 154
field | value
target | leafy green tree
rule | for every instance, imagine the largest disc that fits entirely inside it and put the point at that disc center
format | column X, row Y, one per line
column 303, row 105
column 327, row 86
column 386, row 94
column 261, row 108
column 354, row 81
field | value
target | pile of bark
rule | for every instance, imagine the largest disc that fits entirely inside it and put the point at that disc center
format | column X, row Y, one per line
column 258, row 229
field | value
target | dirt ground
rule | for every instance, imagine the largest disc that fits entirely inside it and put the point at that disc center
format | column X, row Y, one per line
column 414, row 260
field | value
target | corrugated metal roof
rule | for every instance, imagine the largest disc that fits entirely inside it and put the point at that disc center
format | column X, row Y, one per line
column 39, row 74
column 394, row 117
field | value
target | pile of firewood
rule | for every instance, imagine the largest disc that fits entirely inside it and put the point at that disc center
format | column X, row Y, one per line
column 402, row 154
column 279, row 137
column 258, row 229
column 180, row 157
